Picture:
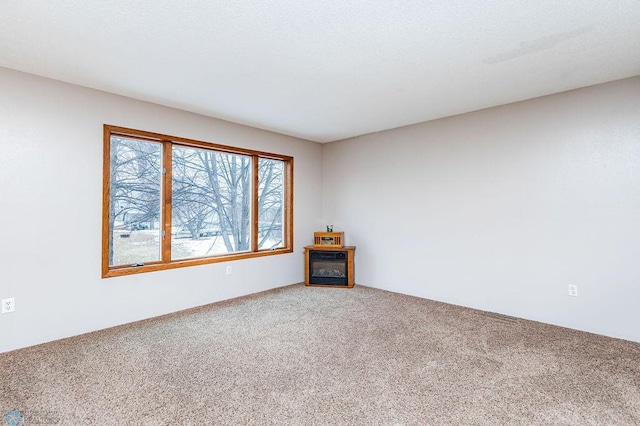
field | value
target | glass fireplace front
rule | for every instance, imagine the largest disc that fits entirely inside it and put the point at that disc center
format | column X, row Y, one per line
column 328, row 267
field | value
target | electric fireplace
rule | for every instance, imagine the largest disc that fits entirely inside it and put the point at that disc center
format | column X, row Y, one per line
column 326, row 266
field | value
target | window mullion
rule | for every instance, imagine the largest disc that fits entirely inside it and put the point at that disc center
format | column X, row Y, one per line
column 166, row 205
column 288, row 204
column 254, row 203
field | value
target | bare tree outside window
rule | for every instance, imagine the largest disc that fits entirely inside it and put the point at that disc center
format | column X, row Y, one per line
column 270, row 203
column 134, row 217
column 211, row 194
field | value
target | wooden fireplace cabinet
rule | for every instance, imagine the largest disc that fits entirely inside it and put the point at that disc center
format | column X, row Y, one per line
column 346, row 252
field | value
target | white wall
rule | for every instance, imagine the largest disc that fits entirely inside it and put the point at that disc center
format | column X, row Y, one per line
column 50, row 213
column 502, row 209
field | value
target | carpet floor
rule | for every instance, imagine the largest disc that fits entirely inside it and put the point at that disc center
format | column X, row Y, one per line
column 320, row 356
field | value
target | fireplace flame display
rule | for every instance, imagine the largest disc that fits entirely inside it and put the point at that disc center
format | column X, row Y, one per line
column 329, row 273
column 328, row 267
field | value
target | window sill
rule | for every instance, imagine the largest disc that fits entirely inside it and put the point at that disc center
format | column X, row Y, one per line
column 119, row 271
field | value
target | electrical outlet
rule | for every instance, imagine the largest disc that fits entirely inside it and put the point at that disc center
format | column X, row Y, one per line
column 229, row 270
column 573, row 290
column 8, row 305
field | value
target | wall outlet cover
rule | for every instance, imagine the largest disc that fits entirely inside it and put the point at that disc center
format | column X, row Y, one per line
column 8, row 305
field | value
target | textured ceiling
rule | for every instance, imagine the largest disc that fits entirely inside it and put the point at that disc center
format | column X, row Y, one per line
column 324, row 70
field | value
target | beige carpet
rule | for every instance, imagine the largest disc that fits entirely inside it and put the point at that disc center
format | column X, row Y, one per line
column 322, row 356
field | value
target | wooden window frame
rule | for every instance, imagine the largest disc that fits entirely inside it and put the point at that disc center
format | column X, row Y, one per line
column 166, row 262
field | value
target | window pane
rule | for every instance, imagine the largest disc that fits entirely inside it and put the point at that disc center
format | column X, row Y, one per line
column 270, row 203
column 134, row 207
column 211, row 203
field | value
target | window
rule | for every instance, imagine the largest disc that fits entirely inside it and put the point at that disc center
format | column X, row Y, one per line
column 171, row 202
